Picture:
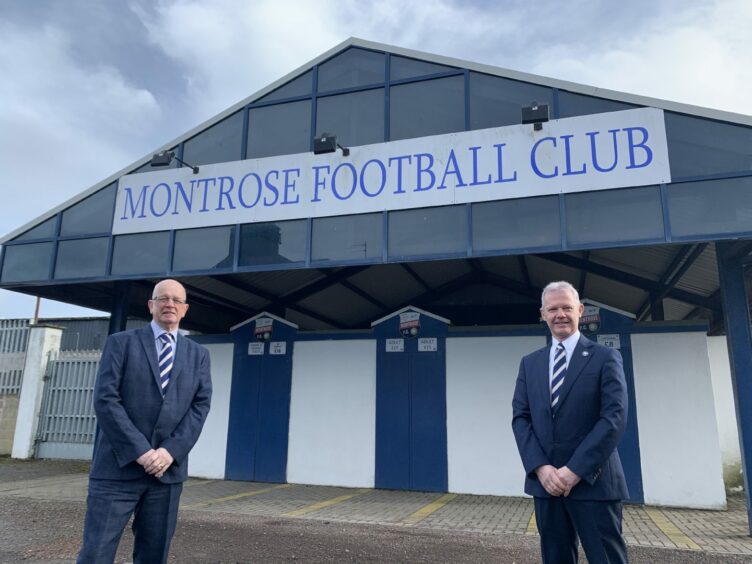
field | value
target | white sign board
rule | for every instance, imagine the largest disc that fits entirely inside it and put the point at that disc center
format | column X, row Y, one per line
column 255, row 348
column 427, row 344
column 278, row 347
column 593, row 152
column 612, row 341
column 395, row 345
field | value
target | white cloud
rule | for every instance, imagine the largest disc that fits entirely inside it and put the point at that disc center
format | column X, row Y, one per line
column 63, row 127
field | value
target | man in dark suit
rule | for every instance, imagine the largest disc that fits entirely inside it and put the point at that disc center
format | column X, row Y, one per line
column 569, row 413
column 151, row 398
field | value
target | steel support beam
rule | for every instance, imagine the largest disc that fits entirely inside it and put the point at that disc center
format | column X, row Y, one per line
column 739, row 338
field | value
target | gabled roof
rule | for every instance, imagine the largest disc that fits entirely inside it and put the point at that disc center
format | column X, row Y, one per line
column 410, row 53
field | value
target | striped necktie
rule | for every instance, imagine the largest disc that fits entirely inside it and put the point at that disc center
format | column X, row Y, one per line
column 166, row 359
column 559, row 373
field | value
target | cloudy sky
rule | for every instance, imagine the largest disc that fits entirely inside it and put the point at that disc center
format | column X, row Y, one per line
column 89, row 86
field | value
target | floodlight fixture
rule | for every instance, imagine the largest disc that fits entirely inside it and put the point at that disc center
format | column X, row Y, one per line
column 536, row 114
column 165, row 158
column 327, row 143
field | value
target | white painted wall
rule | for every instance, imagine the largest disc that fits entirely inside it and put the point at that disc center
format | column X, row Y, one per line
column 333, row 413
column 679, row 447
column 207, row 459
column 481, row 451
column 725, row 410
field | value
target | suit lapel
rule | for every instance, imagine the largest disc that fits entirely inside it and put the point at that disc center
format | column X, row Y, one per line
column 542, row 384
column 146, row 336
column 181, row 353
column 580, row 357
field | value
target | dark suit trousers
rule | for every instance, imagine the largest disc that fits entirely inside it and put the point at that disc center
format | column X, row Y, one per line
column 111, row 503
column 562, row 520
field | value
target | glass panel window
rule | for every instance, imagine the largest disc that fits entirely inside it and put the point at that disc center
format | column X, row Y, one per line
column 711, row 207
column 92, row 215
column 218, row 144
column 354, row 67
column 273, row 243
column 699, row 146
column 141, row 253
column 356, row 118
column 498, row 101
column 516, row 224
column 24, row 263
column 44, row 230
column 348, row 237
column 301, row 86
column 402, row 67
column 280, row 130
column 81, row 258
column 428, row 231
column 203, row 249
column 430, row 107
column 633, row 214
column 571, row 104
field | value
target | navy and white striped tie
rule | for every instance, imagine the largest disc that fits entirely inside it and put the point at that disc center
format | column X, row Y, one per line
column 166, row 359
column 559, row 373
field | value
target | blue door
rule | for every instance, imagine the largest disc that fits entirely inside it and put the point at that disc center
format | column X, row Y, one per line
column 259, row 418
column 411, row 437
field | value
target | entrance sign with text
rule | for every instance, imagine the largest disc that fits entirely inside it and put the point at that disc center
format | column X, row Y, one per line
column 593, row 152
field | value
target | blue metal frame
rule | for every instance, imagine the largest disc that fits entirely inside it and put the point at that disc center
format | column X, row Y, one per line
column 739, row 339
column 313, row 96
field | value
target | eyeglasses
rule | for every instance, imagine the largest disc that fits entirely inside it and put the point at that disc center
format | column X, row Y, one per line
column 166, row 299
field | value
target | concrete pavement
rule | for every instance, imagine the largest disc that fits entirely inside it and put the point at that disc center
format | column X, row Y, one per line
column 699, row 532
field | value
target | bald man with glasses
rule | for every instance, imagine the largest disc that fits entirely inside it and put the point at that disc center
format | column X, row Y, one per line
column 151, row 397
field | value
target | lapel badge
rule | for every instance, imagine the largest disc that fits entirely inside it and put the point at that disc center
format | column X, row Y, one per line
column 585, row 353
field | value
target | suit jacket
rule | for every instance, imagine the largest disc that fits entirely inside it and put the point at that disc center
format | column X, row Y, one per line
column 584, row 430
column 132, row 415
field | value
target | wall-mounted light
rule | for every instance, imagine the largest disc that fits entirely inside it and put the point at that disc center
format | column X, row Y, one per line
column 165, row 158
column 327, row 143
column 536, row 114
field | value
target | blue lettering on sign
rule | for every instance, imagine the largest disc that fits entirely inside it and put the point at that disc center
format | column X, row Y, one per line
column 409, row 159
column 154, row 212
column 534, row 159
column 290, row 186
column 272, row 187
column 318, row 183
column 600, row 151
column 134, row 206
column 451, row 168
column 241, row 188
column 500, row 165
column 641, row 145
column 353, row 183
column 422, row 170
column 382, row 184
column 224, row 193
column 181, row 194
column 476, row 182
column 594, row 152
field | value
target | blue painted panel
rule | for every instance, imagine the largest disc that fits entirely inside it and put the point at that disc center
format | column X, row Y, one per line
column 428, row 429
column 392, row 420
column 259, row 418
column 273, row 417
column 411, row 436
column 241, row 433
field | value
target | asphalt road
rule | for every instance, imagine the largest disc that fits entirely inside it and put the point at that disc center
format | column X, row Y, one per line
column 50, row 531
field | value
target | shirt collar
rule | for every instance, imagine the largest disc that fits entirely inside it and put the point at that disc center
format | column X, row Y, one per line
column 157, row 330
column 569, row 343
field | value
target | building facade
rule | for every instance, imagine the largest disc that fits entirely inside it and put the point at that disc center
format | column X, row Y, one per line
column 447, row 207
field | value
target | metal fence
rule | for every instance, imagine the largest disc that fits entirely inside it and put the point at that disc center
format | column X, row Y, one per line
column 14, row 337
column 67, row 421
